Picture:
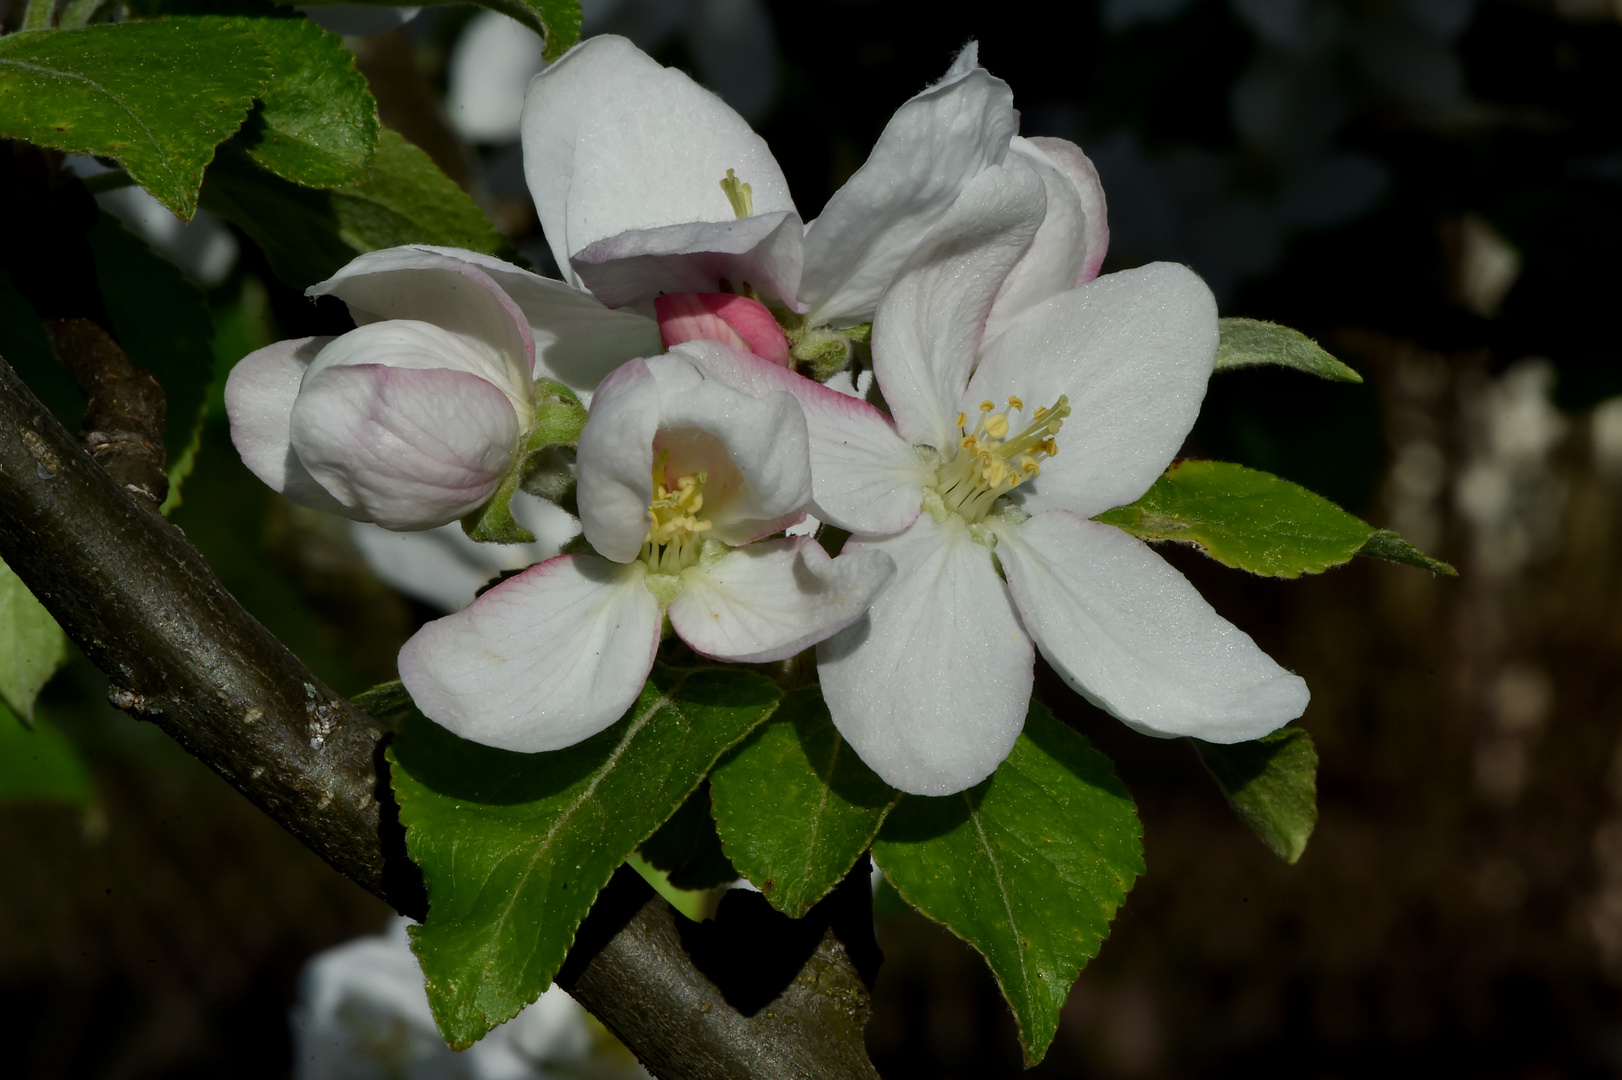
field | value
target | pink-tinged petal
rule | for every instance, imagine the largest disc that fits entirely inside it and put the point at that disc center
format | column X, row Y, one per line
column 410, row 449
column 1131, row 635
column 614, row 142
column 928, row 327
column 931, row 687
column 541, row 661
column 933, row 146
column 633, row 267
column 259, row 396
column 737, row 321
column 1133, row 352
column 614, row 462
column 448, row 291
column 864, row 476
column 1079, row 168
column 578, row 340
column 770, row 600
column 418, row 346
column 1060, row 255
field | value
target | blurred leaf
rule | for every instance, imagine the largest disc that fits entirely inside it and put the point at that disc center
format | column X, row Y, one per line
column 795, row 806
column 1244, row 518
column 32, row 646
column 25, row 347
column 308, row 234
column 1028, row 866
column 157, row 96
column 1272, row 784
column 39, row 764
column 687, row 848
column 1252, row 342
column 514, row 847
column 1391, row 547
column 557, row 21
column 162, row 321
column 696, row 904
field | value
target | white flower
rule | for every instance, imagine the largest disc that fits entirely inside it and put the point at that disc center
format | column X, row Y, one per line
column 412, row 419
column 998, row 459
column 680, row 475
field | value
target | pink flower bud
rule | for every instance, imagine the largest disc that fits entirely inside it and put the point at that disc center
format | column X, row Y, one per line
column 738, row 321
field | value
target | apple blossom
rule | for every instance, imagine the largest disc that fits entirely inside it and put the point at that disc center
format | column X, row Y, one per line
column 982, row 487
column 680, row 476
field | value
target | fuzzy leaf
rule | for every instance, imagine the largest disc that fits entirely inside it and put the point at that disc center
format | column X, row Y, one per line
column 1272, row 784
column 1252, row 342
column 514, row 847
column 157, row 96
column 1029, row 866
column 795, row 806
column 1391, row 547
column 32, row 646
column 557, row 21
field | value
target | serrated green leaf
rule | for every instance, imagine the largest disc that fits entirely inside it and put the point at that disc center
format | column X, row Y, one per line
column 32, row 646
column 1252, row 342
column 514, row 847
column 157, row 96
column 162, row 321
column 557, row 21
column 1272, row 784
column 795, row 806
column 39, row 764
column 1028, row 866
column 1391, row 547
column 308, row 234
column 1244, row 518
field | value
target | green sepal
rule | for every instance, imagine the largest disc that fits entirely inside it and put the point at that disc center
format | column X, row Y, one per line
column 388, row 703
column 1272, row 784
column 822, row 352
column 1391, row 547
column 1028, row 866
column 559, row 418
column 1252, row 343
column 557, row 21
column 795, row 807
column 515, row 847
column 32, row 646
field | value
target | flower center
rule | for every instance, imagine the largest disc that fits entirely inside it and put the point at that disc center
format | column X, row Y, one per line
column 739, row 194
column 675, row 529
column 990, row 463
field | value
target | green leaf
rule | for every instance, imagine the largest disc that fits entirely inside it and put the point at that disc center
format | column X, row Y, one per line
column 557, row 21
column 1252, row 342
column 687, row 848
column 1244, row 518
column 32, row 646
column 514, row 847
column 1028, row 866
column 39, row 764
column 795, row 806
column 387, row 703
column 157, row 96
column 162, row 321
column 1272, row 784
column 308, row 234
column 1391, row 547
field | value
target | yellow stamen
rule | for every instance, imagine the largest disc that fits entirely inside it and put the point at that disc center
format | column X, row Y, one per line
column 674, row 526
column 990, row 463
column 739, row 194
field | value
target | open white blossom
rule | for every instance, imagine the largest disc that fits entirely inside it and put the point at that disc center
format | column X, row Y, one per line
column 680, row 477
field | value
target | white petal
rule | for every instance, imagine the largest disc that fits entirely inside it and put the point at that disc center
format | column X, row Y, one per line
column 1130, row 634
column 448, row 291
column 259, row 396
column 768, row 601
column 578, row 340
column 1079, row 168
column 412, row 449
column 933, row 145
column 543, row 660
column 864, row 477
column 1064, row 246
column 1133, row 352
column 614, row 463
column 928, row 326
column 409, row 345
column 931, row 688
column 614, row 142
column 696, row 256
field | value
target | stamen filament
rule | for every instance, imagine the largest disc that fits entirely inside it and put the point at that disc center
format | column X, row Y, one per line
column 989, row 464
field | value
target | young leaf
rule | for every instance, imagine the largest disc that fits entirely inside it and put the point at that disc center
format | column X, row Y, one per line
column 557, row 21
column 1244, row 518
column 1252, row 342
column 157, row 96
column 308, row 234
column 514, row 847
column 39, row 764
column 795, row 806
column 32, row 646
column 1028, row 866
column 1272, row 784
column 1391, row 547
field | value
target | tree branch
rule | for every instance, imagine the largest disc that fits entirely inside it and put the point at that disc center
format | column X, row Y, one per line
column 145, row 607
column 124, row 408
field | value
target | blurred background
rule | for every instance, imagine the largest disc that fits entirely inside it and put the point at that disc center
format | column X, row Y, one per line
column 1432, row 188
